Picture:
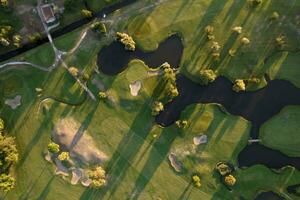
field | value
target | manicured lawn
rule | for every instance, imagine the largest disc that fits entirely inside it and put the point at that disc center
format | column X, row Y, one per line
column 282, row 131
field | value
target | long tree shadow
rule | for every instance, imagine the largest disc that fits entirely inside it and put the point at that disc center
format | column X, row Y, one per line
column 157, row 155
column 124, row 155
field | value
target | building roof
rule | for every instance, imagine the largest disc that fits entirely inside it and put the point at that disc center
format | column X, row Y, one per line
column 48, row 13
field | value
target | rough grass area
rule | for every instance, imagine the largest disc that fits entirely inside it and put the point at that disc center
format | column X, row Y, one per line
column 189, row 19
column 282, row 131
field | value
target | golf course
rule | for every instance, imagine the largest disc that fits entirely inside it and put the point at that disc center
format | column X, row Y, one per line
column 152, row 100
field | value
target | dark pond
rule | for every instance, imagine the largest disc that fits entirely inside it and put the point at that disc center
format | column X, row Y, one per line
column 66, row 29
column 113, row 59
column 257, row 107
column 268, row 196
column 258, row 154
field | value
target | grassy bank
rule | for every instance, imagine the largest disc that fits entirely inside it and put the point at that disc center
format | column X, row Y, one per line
column 282, row 131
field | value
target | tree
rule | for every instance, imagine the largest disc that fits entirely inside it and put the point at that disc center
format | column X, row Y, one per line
column 239, row 85
column 237, row 29
column 181, row 124
column 245, row 41
column 2, row 125
column 126, row 40
column 4, row 3
column 73, row 71
column 86, row 13
column 209, row 31
column 196, row 180
column 256, row 2
column 223, row 169
column 8, row 153
column 207, row 76
column 157, row 107
column 215, row 46
column 230, row 180
column 275, row 16
column 17, row 39
column 64, row 156
column 98, row 177
column 98, row 27
column 7, row 182
column 102, row 95
column 280, row 41
column 53, row 147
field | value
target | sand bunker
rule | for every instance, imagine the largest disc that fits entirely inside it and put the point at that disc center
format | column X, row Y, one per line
column 175, row 163
column 76, row 175
column 135, row 88
column 14, row 103
column 74, row 138
column 200, row 139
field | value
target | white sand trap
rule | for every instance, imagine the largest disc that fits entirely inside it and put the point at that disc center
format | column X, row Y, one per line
column 175, row 163
column 74, row 138
column 86, row 182
column 135, row 88
column 200, row 139
column 14, row 102
column 76, row 175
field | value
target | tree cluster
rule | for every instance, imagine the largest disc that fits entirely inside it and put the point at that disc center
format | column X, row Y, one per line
column 7, row 38
column 126, row 40
column 226, row 172
column 181, row 124
column 98, row 177
column 8, row 157
column 169, row 81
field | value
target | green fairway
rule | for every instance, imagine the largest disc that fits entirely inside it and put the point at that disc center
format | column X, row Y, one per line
column 282, row 131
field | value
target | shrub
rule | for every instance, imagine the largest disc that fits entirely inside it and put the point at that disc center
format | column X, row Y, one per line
column 207, row 76
column 64, row 156
column 53, row 147
column 230, row 180
column 157, row 107
column 239, row 85
column 126, row 40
